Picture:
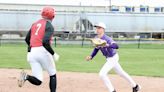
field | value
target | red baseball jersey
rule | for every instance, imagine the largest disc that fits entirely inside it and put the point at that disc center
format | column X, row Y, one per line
column 37, row 33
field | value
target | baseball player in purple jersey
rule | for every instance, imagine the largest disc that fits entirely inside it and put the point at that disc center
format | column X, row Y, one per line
column 112, row 58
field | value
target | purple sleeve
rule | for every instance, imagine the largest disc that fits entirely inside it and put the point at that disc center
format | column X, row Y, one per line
column 94, row 52
column 114, row 46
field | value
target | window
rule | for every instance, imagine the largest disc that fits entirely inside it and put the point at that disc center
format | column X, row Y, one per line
column 129, row 9
column 114, row 8
column 144, row 9
column 157, row 9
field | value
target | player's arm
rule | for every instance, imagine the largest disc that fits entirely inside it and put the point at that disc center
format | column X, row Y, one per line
column 27, row 40
column 47, row 37
column 112, row 44
column 94, row 52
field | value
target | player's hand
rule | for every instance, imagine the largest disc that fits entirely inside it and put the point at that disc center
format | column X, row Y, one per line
column 28, row 56
column 56, row 57
column 88, row 58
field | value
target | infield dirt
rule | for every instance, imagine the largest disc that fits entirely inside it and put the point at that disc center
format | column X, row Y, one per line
column 77, row 82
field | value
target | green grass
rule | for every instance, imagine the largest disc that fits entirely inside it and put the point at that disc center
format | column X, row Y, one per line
column 144, row 62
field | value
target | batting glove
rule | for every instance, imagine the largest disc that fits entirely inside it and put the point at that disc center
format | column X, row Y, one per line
column 28, row 56
column 56, row 57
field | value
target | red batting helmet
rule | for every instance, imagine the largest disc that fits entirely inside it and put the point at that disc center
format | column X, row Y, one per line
column 48, row 12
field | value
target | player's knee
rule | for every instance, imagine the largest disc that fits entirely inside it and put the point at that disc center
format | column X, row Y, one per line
column 122, row 73
column 102, row 75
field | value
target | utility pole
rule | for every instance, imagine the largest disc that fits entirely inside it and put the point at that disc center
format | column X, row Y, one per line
column 110, row 3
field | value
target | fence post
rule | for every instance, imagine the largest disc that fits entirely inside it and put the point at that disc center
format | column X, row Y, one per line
column 55, row 41
column 139, row 40
column 82, row 44
column 0, row 41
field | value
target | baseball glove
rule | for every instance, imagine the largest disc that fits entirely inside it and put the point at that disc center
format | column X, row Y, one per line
column 98, row 42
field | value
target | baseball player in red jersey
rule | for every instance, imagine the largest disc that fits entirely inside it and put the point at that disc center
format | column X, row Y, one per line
column 40, row 54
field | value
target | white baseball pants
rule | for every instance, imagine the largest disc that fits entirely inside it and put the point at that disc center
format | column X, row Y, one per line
column 39, row 59
column 112, row 63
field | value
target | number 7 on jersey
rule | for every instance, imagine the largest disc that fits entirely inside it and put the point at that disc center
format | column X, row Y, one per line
column 38, row 28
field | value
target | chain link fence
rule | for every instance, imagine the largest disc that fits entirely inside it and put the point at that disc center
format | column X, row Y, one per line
column 85, row 42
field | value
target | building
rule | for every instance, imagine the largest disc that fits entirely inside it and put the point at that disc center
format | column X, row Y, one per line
column 121, row 21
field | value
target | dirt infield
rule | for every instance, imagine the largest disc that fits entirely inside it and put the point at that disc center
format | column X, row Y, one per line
column 77, row 82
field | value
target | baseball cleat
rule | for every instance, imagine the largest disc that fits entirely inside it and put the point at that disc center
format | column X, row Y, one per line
column 22, row 79
column 136, row 88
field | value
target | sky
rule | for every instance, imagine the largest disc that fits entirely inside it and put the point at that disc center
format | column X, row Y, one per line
column 153, row 3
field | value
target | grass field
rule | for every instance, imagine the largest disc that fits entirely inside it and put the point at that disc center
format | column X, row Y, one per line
column 144, row 62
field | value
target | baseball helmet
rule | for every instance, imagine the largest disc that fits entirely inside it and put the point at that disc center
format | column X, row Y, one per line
column 48, row 12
